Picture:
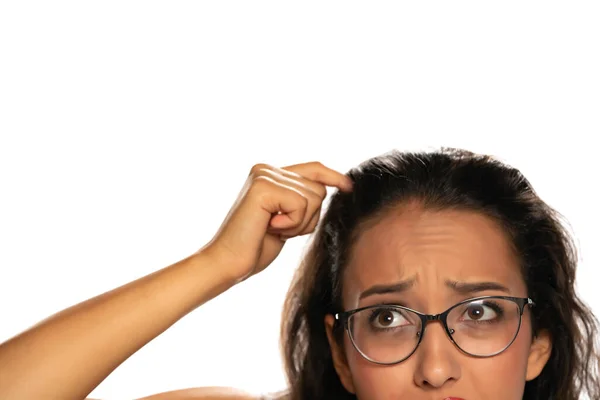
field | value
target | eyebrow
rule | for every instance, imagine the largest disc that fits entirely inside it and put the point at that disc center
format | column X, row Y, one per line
column 383, row 289
column 460, row 287
column 474, row 287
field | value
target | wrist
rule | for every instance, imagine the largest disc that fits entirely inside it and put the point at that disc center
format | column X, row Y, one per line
column 214, row 266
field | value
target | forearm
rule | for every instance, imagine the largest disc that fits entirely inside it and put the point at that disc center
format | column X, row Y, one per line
column 67, row 355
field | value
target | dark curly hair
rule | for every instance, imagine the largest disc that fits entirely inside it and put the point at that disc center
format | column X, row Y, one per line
column 443, row 179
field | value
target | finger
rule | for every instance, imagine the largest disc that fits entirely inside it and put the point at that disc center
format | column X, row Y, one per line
column 281, row 222
column 276, row 197
column 311, row 221
column 312, row 224
column 291, row 228
column 296, row 180
column 320, row 173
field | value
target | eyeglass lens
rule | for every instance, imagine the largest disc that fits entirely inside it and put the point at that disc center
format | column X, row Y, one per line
column 388, row 334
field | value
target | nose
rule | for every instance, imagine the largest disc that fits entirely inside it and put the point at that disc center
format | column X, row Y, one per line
column 437, row 358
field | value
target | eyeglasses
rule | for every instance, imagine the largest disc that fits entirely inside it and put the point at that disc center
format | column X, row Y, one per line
column 480, row 327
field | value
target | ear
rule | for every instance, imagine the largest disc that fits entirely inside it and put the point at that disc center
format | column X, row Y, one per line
column 340, row 362
column 539, row 354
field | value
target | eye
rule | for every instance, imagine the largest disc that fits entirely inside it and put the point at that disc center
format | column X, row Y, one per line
column 479, row 312
column 384, row 318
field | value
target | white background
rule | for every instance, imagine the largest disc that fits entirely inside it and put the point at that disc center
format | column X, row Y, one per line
column 128, row 128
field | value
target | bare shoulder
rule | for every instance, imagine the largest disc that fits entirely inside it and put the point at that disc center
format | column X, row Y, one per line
column 209, row 393
column 201, row 393
column 204, row 393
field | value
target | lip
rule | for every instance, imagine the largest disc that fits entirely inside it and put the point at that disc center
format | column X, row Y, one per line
column 454, row 398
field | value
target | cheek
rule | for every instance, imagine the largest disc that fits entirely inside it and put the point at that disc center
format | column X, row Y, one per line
column 379, row 382
column 501, row 377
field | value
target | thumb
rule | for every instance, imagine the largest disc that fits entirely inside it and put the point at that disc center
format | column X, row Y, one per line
column 281, row 221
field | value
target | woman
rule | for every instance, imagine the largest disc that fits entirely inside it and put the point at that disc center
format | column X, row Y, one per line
column 434, row 275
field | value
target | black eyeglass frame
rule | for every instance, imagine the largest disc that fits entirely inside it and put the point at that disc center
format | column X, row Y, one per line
column 342, row 318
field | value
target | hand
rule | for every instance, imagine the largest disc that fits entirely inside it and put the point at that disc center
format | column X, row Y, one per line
column 274, row 205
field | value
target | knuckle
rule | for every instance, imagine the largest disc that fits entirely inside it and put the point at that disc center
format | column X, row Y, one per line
column 315, row 198
column 321, row 192
column 261, row 182
column 301, row 201
column 312, row 225
column 257, row 168
column 260, row 179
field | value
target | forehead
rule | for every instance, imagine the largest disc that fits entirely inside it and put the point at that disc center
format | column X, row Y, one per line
column 431, row 247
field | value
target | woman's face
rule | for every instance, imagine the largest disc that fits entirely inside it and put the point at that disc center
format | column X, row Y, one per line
column 431, row 249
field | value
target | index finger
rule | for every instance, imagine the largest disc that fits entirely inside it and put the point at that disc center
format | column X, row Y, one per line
column 318, row 172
